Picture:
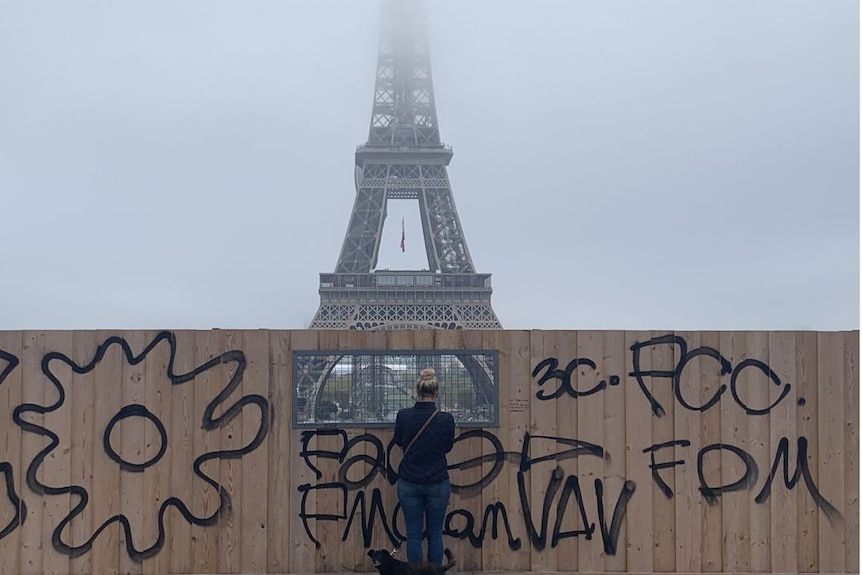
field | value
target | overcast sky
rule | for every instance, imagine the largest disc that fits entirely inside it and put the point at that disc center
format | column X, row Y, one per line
column 618, row 164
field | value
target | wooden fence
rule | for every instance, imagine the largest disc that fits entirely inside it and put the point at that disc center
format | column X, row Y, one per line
column 174, row 452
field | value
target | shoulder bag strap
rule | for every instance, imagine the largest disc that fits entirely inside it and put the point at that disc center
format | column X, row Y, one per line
column 418, row 433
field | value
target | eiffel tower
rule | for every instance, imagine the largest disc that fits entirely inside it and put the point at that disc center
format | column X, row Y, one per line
column 404, row 159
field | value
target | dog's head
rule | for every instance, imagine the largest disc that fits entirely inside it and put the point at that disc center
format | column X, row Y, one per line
column 379, row 556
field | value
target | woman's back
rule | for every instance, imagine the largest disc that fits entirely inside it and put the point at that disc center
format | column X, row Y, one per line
column 425, row 462
column 423, row 478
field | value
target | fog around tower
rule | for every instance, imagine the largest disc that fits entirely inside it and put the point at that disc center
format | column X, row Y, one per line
column 617, row 164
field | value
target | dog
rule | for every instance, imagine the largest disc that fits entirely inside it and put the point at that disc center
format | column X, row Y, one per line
column 386, row 564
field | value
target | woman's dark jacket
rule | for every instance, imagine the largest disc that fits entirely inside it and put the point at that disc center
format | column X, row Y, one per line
column 426, row 461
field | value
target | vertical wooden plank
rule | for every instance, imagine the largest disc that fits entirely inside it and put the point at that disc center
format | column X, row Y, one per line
column 156, row 479
column 734, row 431
column 711, row 380
column 521, row 388
column 615, row 485
column 471, row 502
column 639, row 521
column 57, row 465
column 328, row 557
column 354, row 556
column 34, row 385
column 302, row 548
column 782, row 427
column 468, row 559
column 230, row 468
column 664, row 515
column 830, row 423
column 377, row 340
column 688, row 503
column 11, row 390
column 589, row 427
column 105, row 497
column 543, row 422
column 181, row 454
column 851, row 450
column 754, row 389
column 205, row 539
column 563, row 347
column 254, row 531
column 129, row 434
column 280, row 482
column 808, row 552
column 495, row 550
column 399, row 340
column 82, row 398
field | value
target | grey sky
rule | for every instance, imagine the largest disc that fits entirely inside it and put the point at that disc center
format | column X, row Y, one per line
column 618, row 164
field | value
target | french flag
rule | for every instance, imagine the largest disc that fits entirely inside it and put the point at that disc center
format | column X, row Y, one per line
column 403, row 237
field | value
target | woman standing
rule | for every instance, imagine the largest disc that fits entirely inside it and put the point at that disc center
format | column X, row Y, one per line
column 426, row 435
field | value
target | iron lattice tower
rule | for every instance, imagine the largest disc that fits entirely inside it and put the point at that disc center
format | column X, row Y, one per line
column 404, row 159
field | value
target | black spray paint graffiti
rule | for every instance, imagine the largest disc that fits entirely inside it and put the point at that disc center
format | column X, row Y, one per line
column 19, row 509
column 561, row 490
column 461, row 523
column 564, row 376
column 685, row 356
column 680, row 349
column 750, row 475
column 571, row 486
column 235, row 359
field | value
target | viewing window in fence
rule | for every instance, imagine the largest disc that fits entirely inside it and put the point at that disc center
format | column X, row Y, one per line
column 367, row 388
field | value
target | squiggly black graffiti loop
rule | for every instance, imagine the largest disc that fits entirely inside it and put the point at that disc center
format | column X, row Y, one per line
column 209, row 422
column 5, row 467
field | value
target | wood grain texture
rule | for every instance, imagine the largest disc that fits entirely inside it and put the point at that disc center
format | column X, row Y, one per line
column 543, row 474
column 58, row 464
column 688, row 503
column 330, row 498
column 638, row 436
column 302, row 547
column 589, row 427
column 785, row 403
column 613, row 362
column 205, row 497
column 663, row 358
column 280, row 439
column 808, row 551
column 495, row 550
column 782, row 427
column 157, row 479
column 756, row 393
column 830, row 428
column 734, row 467
column 851, row 451
column 253, row 502
column 712, row 380
column 129, row 435
column 470, row 500
column 11, row 396
column 520, row 384
column 105, row 498
column 181, row 454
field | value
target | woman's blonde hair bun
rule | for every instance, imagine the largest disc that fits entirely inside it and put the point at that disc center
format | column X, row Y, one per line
column 427, row 386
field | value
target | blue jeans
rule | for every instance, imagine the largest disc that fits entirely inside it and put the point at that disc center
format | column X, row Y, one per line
column 420, row 501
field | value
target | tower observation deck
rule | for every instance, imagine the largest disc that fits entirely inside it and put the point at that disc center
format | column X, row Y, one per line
column 404, row 159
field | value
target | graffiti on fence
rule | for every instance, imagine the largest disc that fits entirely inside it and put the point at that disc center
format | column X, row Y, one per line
column 40, row 483
column 562, row 491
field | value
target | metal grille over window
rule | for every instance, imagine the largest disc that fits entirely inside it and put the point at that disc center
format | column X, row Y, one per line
column 366, row 388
